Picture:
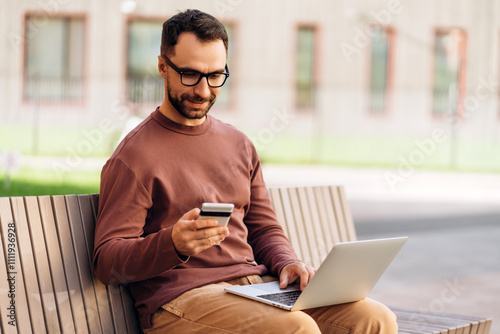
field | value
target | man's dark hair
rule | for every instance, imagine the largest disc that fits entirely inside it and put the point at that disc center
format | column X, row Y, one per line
column 204, row 26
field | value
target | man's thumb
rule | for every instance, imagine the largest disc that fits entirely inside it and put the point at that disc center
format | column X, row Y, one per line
column 191, row 214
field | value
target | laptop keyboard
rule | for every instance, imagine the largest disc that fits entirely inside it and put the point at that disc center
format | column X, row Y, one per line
column 287, row 298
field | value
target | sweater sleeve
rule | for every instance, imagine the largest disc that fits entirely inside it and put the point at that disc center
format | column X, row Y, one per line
column 266, row 236
column 121, row 253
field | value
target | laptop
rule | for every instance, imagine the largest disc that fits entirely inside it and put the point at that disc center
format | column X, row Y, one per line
column 348, row 274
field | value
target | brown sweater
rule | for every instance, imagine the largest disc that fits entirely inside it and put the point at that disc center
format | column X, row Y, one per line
column 162, row 170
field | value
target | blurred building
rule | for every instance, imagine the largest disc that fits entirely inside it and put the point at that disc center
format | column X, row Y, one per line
column 424, row 72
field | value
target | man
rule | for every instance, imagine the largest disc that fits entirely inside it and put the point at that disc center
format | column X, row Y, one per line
column 152, row 187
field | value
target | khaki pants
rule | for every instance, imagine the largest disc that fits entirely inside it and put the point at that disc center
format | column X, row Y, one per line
column 209, row 309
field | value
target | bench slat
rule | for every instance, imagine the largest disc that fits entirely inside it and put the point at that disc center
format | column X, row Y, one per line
column 330, row 236
column 410, row 327
column 427, row 327
column 111, row 295
column 122, row 307
column 288, row 220
column 69, row 259
column 299, row 224
column 83, row 265
column 275, row 196
column 20, row 315
column 45, row 279
column 343, row 206
column 129, row 309
column 61, row 295
column 330, row 217
column 312, row 232
column 30, row 283
column 340, row 216
column 472, row 324
column 114, row 300
column 103, row 304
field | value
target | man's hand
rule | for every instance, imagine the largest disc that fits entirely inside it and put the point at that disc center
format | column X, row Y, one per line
column 192, row 236
column 294, row 270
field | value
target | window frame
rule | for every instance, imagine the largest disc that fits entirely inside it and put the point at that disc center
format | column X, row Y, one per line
column 126, row 58
column 462, row 71
column 27, row 35
column 315, row 70
column 231, row 85
column 390, row 72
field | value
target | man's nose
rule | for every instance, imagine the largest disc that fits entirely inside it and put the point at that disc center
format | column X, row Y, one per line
column 202, row 88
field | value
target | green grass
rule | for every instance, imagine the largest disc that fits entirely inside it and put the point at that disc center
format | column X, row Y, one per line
column 58, row 140
column 382, row 151
column 32, row 182
column 461, row 154
column 477, row 155
column 73, row 142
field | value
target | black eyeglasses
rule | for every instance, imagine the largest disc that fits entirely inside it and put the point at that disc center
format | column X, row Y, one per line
column 192, row 77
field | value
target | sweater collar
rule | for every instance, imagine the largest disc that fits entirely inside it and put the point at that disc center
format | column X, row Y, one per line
column 180, row 128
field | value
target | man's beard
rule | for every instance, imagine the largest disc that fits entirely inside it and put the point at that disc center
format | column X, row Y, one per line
column 189, row 112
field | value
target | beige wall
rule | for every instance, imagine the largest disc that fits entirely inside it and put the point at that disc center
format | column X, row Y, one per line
column 264, row 64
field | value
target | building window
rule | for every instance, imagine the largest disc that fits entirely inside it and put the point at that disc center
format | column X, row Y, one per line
column 449, row 72
column 380, row 75
column 54, row 59
column 225, row 97
column 144, row 84
column 305, row 84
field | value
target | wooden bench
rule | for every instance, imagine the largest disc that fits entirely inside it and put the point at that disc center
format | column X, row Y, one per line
column 48, row 287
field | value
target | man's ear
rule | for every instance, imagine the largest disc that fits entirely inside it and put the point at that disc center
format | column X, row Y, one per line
column 162, row 67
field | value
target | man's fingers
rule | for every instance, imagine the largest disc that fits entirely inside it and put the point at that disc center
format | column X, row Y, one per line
column 192, row 236
column 283, row 280
column 198, row 225
column 191, row 243
column 287, row 276
column 304, row 279
column 296, row 270
column 191, row 214
column 306, row 276
column 190, row 223
column 212, row 232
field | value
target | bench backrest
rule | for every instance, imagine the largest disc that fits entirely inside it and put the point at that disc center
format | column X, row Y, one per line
column 314, row 219
column 47, row 250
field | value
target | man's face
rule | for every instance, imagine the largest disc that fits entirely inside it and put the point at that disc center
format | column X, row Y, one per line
column 194, row 102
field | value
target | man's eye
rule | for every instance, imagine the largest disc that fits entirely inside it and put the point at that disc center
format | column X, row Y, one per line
column 190, row 74
column 215, row 75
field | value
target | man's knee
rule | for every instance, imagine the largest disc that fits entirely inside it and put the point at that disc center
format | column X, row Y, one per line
column 366, row 316
column 379, row 318
column 300, row 322
column 288, row 322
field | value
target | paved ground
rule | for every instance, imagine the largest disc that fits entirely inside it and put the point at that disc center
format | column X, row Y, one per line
column 451, row 262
